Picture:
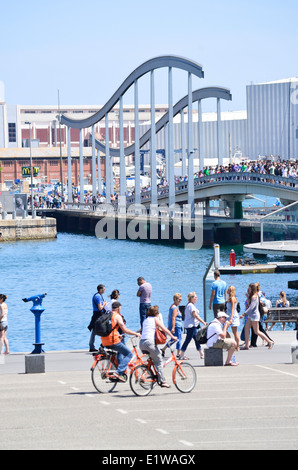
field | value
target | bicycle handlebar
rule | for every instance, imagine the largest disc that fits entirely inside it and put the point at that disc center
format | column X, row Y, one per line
column 173, row 341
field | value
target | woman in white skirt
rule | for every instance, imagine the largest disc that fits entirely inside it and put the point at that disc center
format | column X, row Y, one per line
column 253, row 316
column 233, row 314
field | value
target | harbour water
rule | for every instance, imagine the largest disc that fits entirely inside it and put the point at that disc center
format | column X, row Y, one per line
column 70, row 267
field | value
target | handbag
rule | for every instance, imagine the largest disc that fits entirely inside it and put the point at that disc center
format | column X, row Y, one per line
column 262, row 309
column 160, row 336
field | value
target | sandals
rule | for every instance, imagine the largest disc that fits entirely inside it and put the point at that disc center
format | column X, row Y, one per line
column 165, row 385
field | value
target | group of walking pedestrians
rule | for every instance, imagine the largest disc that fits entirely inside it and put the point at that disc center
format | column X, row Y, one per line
column 150, row 318
column 184, row 319
column 223, row 299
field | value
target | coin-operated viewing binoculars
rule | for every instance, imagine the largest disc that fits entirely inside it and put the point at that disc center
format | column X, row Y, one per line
column 37, row 309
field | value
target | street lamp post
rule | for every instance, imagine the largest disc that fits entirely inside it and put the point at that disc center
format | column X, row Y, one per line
column 31, row 169
column 61, row 168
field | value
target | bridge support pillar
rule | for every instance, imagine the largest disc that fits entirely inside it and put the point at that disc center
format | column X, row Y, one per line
column 234, row 202
column 207, row 207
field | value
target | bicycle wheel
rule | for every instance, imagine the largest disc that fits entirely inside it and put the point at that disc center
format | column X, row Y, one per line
column 100, row 375
column 184, row 377
column 142, row 380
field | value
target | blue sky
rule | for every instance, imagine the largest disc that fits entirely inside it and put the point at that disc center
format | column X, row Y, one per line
column 86, row 49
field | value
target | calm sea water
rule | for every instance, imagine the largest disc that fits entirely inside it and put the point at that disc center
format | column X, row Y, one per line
column 69, row 268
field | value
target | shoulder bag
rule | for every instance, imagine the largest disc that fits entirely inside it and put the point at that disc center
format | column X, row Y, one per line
column 160, row 336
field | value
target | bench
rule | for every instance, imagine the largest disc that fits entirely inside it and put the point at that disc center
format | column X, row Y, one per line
column 284, row 315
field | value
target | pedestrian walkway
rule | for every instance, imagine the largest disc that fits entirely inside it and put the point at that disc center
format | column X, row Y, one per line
column 80, row 360
column 253, row 406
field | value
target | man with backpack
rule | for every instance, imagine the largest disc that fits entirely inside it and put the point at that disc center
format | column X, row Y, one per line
column 217, row 337
column 114, row 341
column 98, row 305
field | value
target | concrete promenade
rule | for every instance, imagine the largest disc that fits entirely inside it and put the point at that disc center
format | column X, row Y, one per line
column 253, row 406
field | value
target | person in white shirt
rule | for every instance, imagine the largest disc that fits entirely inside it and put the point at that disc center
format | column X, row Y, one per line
column 148, row 345
column 217, row 337
column 192, row 322
column 114, row 298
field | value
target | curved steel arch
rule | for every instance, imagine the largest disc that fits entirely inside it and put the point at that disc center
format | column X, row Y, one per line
column 151, row 64
column 200, row 94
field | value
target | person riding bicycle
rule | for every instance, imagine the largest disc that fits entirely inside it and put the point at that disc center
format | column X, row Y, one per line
column 147, row 343
column 114, row 341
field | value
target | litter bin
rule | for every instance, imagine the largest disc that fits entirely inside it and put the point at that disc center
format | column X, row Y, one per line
column 295, row 353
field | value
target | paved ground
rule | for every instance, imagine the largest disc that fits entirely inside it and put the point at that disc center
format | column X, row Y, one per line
column 253, row 406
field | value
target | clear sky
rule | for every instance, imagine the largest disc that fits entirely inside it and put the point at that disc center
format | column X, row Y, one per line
column 86, row 49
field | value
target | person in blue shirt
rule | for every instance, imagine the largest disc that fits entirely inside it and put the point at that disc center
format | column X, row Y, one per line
column 175, row 324
column 98, row 305
column 218, row 294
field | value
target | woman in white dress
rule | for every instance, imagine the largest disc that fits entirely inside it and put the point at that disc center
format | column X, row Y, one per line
column 253, row 316
column 3, row 324
column 233, row 314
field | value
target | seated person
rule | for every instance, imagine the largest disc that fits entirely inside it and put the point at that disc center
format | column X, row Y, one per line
column 217, row 337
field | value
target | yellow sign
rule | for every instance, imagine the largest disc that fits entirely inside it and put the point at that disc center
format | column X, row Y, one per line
column 26, row 171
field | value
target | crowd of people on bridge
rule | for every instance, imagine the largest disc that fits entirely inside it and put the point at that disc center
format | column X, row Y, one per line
column 266, row 166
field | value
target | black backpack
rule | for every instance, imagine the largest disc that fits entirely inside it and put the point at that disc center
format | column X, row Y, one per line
column 103, row 325
column 202, row 334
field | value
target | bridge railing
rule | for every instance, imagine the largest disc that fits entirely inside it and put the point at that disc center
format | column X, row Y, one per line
column 285, row 216
column 233, row 177
column 101, row 208
column 203, row 181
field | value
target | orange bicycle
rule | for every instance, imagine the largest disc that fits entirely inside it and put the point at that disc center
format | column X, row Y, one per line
column 105, row 364
column 144, row 376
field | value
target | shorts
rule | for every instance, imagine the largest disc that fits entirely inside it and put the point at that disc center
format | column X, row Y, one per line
column 3, row 325
column 223, row 344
